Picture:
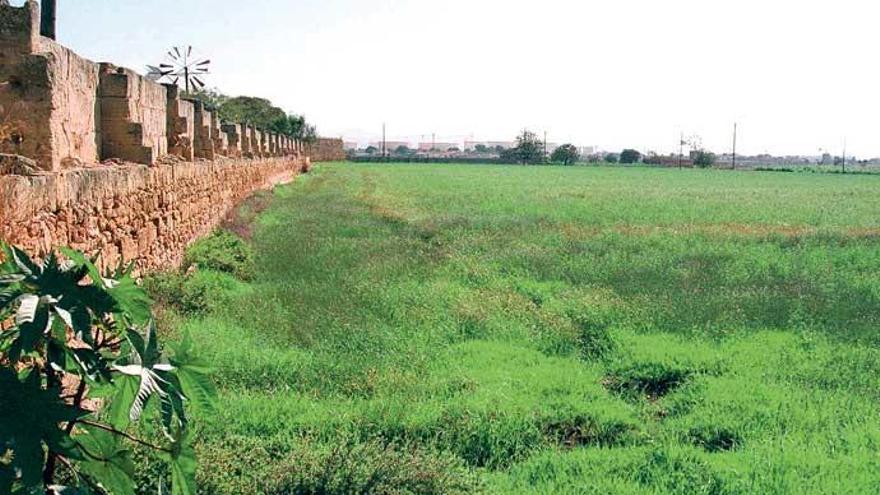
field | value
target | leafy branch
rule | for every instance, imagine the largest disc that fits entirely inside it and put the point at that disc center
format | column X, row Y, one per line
column 67, row 329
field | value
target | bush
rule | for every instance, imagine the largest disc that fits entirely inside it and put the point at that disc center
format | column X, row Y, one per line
column 285, row 467
column 223, row 252
column 630, row 156
column 652, row 379
column 703, row 159
column 196, row 294
column 611, row 158
column 594, row 338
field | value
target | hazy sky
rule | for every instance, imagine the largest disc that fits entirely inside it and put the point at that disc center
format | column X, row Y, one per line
column 797, row 75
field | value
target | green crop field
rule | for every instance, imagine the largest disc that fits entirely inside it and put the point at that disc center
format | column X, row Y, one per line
column 495, row 329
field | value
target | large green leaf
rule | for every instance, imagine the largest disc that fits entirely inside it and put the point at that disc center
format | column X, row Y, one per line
column 183, row 468
column 131, row 300
column 71, row 490
column 194, row 375
column 107, row 462
column 81, row 260
column 117, row 412
column 30, row 419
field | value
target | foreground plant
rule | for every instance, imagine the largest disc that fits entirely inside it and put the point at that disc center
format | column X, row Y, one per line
column 79, row 363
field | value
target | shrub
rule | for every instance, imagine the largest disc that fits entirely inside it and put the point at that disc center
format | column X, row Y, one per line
column 195, row 294
column 223, row 252
column 76, row 333
column 703, row 158
column 630, row 156
column 374, row 468
column 594, row 338
column 654, row 379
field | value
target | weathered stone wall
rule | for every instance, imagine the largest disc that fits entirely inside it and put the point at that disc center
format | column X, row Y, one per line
column 181, row 124
column 75, row 113
column 63, row 111
column 327, row 150
column 48, row 95
column 134, row 116
column 100, row 137
column 132, row 212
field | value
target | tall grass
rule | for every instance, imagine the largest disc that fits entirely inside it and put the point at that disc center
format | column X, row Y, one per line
column 548, row 330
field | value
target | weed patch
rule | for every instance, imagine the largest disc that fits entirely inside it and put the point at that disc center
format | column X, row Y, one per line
column 222, row 252
column 651, row 380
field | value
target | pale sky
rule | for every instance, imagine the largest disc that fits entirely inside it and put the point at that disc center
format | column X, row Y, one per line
column 797, row 75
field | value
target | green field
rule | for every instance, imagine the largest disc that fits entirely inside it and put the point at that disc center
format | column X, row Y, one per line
column 460, row 329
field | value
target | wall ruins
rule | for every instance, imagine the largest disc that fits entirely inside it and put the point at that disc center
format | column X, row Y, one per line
column 98, row 158
column 326, row 150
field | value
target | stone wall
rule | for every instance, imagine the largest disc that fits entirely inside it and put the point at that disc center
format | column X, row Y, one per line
column 132, row 212
column 48, row 95
column 64, row 111
column 134, row 116
column 327, row 150
column 101, row 159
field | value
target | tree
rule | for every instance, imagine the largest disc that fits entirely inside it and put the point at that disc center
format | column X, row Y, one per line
column 403, row 150
column 258, row 112
column 529, row 149
column 703, row 158
column 213, row 99
column 630, row 156
column 481, row 148
column 371, row 149
column 454, row 149
column 76, row 331
column 565, row 154
column 294, row 126
column 610, row 158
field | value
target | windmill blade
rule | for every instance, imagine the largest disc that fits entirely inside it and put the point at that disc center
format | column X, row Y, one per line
column 199, row 81
column 189, row 51
column 174, row 82
column 177, row 51
column 153, row 73
column 166, row 66
column 171, row 55
column 204, row 62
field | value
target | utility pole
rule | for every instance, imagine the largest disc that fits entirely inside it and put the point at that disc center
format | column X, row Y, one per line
column 734, row 145
column 545, row 147
column 47, row 18
column 681, row 152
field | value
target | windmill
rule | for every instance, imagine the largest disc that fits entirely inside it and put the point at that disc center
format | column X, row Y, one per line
column 180, row 64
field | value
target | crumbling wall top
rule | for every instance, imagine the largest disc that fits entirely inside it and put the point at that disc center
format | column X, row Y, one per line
column 19, row 29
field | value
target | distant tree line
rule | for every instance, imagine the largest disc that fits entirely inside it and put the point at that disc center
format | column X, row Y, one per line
column 258, row 112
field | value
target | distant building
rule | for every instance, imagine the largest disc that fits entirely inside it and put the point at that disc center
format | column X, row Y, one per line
column 390, row 146
column 492, row 145
column 586, row 150
column 438, row 147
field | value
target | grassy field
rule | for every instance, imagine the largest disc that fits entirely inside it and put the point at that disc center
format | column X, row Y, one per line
column 461, row 329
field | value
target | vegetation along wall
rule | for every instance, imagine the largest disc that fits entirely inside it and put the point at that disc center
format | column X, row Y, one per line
column 99, row 158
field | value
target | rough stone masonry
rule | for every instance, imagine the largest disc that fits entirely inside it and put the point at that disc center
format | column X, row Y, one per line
column 98, row 158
